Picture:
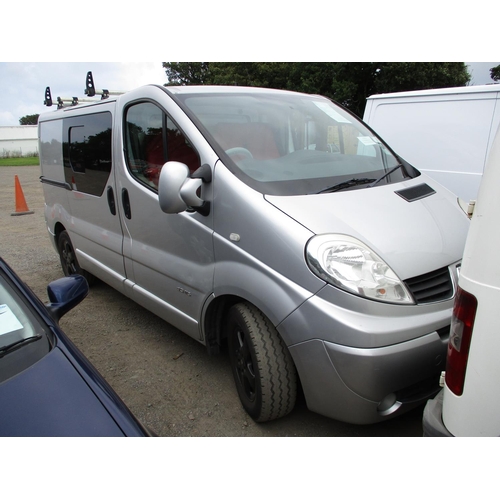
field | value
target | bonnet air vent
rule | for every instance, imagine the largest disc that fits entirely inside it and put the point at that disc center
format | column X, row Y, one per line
column 416, row 192
column 431, row 287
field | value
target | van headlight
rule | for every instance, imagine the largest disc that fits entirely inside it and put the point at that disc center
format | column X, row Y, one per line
column 349, row 264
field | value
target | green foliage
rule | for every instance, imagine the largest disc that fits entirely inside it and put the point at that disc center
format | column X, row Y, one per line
column 347, row 83
column 29, row 120
column 23, row 161
column 186, row 73
column 495, row 73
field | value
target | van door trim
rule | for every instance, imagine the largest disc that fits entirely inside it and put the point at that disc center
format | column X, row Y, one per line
column 85, row 257
column 65, row 185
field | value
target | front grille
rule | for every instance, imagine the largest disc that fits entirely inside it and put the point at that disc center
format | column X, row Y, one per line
column 431, row 287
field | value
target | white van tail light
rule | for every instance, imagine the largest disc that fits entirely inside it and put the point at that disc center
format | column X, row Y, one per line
column 462, row 323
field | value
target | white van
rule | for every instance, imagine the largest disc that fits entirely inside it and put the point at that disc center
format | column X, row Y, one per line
column 271, row 222
column 469, row 404
column 446, row 133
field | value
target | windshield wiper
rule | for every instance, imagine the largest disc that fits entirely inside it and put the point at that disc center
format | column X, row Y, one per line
column 16, row 345
column 346, row 184
column 385, row 175
column 357, row 182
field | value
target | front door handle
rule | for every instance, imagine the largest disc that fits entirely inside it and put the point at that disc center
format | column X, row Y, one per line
column 126, row 204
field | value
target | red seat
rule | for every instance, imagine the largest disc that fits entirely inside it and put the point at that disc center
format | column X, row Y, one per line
column 258, row 138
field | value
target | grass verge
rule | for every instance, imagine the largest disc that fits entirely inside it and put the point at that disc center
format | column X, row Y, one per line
column 20, row 162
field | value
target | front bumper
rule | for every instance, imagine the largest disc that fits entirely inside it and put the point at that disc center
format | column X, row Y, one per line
column 365, row 386
column 366, row 382
column 432, row 421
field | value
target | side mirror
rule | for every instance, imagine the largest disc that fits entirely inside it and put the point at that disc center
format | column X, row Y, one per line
column 177, row 190
column 66, row 293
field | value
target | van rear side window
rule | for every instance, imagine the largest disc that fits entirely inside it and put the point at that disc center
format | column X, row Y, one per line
column 87, row 152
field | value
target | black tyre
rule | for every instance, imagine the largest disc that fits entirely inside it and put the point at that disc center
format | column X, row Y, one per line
column 263, row 369
column 69, row 262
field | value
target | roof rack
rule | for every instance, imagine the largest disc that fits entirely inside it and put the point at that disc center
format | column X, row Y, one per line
column 90, row 90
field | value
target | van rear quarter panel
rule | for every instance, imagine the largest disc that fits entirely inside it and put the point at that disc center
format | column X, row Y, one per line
column 50, row 148
column 52, row 169
column 476, row 412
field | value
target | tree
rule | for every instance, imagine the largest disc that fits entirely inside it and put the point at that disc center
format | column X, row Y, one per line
column 495, row 73
column 29, row 120
column 347, row 83
column 189, row 73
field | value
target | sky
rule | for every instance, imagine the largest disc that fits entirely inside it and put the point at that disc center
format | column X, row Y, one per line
column 22, row 84
column 61, row 31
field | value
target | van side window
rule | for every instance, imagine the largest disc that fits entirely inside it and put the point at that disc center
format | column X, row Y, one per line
column 87, row 152
column 151, row 139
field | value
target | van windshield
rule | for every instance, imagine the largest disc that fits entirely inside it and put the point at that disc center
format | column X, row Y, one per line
column 285, row 143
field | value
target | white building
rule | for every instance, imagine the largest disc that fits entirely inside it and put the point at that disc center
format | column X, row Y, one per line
column 19, row 140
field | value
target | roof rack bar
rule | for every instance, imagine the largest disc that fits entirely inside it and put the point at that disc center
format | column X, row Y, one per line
column 91, row 91
column 71, row 101
column 63, row 101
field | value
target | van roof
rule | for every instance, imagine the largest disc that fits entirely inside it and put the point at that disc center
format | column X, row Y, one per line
column 219, row 89
column 51, row 114
column 492, row 87
column 174, row 90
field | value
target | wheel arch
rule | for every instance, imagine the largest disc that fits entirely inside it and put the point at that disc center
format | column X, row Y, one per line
column 214, row 319
column 58, row 229
column 272, row 293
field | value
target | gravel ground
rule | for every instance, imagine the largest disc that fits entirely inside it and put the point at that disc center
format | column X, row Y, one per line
column 165, row 377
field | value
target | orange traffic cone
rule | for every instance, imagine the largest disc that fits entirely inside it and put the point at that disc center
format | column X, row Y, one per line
column 21, row 206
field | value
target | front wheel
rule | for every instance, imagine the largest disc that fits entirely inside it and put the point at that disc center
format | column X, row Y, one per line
column 69, row 263
column 263, row 369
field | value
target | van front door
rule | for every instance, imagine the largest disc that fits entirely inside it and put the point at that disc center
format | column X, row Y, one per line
column 169, row 259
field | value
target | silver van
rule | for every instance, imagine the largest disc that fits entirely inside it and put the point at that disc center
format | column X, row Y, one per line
column 271, row 222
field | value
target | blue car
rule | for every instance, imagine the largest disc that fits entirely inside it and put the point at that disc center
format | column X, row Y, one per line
column 47, row 386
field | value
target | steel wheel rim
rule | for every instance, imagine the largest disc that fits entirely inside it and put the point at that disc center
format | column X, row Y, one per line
column 68, row 258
